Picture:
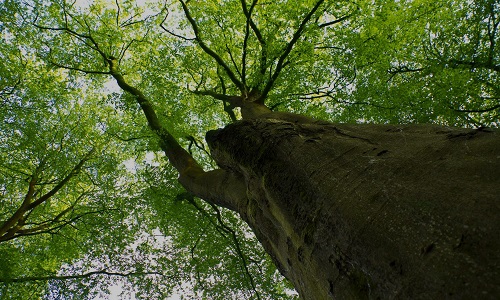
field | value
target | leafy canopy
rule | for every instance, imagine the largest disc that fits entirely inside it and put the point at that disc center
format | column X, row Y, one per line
column 87, row 200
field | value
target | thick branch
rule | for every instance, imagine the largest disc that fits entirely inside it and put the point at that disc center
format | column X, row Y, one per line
column 19, row 214
column 210, row 186
column 47, row 226
column 180, row 159
column 218, row 187
column 83, row 37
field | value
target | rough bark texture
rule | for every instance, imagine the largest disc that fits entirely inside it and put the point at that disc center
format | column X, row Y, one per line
column 370, row 211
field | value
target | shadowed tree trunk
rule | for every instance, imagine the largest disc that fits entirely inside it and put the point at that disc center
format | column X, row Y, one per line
column 371, row 211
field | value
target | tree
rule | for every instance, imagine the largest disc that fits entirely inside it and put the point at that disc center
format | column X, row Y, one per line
column 343, row 210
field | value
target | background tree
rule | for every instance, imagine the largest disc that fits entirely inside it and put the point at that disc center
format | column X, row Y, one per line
column 350, row 62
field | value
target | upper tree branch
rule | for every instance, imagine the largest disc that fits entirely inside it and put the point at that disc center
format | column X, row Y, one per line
column 229, row 102
column 209, row 51
column 248, row 14
column 258, row 34
column 492, row 31
column 228, row 106
column 334, row 21
column 282, row 59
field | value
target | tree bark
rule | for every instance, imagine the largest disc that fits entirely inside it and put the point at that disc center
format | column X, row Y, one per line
column 371, row 211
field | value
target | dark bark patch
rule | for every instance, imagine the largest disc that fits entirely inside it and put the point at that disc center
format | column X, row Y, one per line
column 382, row 152
column 427, row 249
column 396, row 266
column 467, row 134
column 300, row 254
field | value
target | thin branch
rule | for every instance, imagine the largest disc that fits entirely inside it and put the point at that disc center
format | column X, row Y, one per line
column 234, row 63
column 129, row 139
column 329, row 94
column 474, row 64
column 282, row 59
column 197, row 144
column 78, row 69
column 334, row 21
column 228, row 107
column 190, row 198
column 83, row 37
column 125, row 48
column 66, row 29
column 129, row 21
column 495, row 107
column 118, row 10
column 237, row 247
column 79, row 276
column 209, row 51
column 173, row 33
column 402, row 69
column 258, row 34
column 223, row 229
column 248, row 14
column 329, row 47
column 216, row 95
column 65, row 180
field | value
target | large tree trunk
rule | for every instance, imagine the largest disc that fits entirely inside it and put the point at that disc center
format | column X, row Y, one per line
column 371, row 211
